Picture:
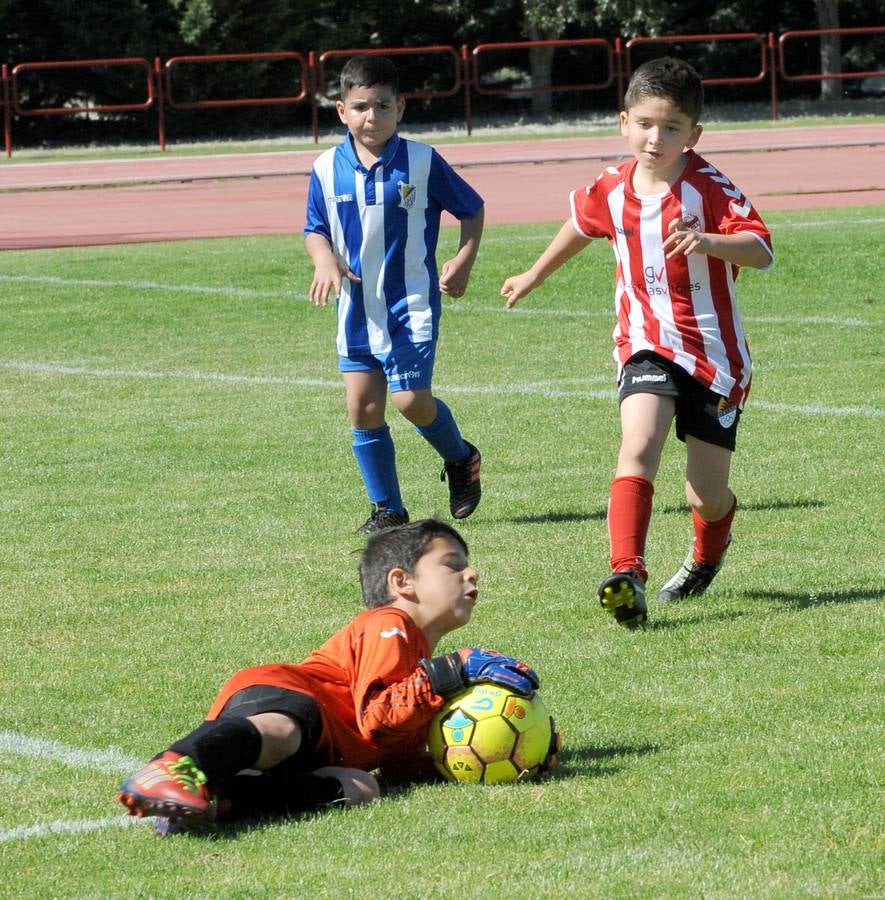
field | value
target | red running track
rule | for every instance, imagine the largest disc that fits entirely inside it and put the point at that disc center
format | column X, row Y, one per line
column 172, row 198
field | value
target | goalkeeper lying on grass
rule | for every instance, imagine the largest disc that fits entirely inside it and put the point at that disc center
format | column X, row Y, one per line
column 282, row 739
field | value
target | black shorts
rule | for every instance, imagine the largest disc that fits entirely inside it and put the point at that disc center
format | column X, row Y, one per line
column 262, row 698
column 700, row 412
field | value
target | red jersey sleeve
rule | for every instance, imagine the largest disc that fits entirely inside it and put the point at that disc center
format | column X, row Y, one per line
column 391, row 692
column 731, row 211
column 589, row 209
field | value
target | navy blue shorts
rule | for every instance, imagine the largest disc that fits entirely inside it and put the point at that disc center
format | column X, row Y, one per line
column 700, row 412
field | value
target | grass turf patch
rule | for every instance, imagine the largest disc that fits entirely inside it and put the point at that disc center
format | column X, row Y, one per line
column 179, row 500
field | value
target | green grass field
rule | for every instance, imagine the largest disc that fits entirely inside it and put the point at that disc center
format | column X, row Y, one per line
column 178, row 502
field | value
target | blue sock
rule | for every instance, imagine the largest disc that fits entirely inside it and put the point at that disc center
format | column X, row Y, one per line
column 442, row 434
column 376, row 457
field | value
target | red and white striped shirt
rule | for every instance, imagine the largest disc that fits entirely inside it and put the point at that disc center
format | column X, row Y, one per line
column 684, row 308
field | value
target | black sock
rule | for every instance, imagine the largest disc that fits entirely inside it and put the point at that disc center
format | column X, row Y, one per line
column 223, row 747
column 280, row 793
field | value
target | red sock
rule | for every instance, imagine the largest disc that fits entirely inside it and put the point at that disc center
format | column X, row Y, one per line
column 629, row 514
column 711, row 538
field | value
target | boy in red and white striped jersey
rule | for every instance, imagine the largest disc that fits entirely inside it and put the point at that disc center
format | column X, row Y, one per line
column 680, row 232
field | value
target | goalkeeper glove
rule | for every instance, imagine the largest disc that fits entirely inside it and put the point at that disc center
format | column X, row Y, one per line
column 473, row 665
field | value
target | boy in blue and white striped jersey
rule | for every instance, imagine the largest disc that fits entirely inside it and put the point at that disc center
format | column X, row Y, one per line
column 373, row 217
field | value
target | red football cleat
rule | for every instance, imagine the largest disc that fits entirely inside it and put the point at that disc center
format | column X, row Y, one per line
column 173, row 787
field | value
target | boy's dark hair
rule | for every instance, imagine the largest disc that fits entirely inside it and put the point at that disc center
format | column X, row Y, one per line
column 671, row 78
column 400, row 547
column 367, row 71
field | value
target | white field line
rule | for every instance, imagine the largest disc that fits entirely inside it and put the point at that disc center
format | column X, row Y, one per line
column 812, row 409
column 219, row 377
column 248, row 293
column 827, row 223
column 166, row 287
column 539, row 389
column 68, row 826
column 13, row 744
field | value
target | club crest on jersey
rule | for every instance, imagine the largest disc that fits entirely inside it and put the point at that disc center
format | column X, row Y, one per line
column 690, row 220
column 727, row 413
column 407, row 195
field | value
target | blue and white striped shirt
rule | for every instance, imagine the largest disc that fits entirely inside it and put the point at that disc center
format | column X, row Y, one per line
column 384, row 223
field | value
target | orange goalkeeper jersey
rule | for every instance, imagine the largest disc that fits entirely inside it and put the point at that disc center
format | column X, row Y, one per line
column 375, row 701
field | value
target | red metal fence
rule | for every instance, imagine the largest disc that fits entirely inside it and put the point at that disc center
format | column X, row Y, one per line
column 613, row 64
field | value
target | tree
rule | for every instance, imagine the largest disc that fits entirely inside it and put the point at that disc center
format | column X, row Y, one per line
column 544, row 20
column 51, row 30
column 538, row 20
column 669, row 17
column 830, row 48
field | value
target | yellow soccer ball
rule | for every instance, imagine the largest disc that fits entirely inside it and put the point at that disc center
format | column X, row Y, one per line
column 491, row 735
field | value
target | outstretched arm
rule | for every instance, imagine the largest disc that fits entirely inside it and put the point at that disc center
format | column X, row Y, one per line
column 455, row 272
column 567, row 243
